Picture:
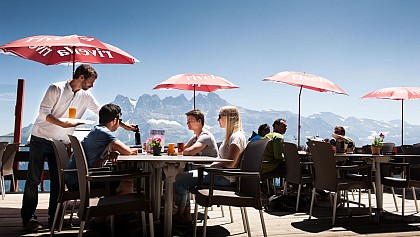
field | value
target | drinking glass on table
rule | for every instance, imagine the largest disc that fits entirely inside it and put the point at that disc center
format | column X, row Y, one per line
column 180, row 148
column 72, row 112
column 171, row 148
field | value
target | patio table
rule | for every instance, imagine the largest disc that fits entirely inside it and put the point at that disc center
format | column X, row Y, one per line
column 170, row 165
column 377, row 160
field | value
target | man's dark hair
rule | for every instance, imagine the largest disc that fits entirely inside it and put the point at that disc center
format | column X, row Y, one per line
column 341, row 129
column 197, row 114
column 85, row 70
column 108, row 113
column 262, row 128
column 278, row 121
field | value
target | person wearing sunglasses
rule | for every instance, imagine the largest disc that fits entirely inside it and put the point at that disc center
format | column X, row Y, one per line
column 232, row 146
column 100, row 143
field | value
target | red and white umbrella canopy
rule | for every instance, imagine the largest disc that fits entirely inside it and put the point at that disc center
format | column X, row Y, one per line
column 395, row 93
column 307, row 81
column 196, row 82
column 52, row 50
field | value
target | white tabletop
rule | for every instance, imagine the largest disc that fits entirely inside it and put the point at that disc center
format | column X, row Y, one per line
column 170, row 159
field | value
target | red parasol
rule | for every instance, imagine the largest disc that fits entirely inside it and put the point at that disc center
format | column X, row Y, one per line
column 196, row 82
column 396, row 93
column 307, row 81
column 52, row 50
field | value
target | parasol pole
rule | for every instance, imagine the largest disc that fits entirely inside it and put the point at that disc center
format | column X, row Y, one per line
column 194, row 96
column 300, row 93
column 402, row 122
column 74, row 59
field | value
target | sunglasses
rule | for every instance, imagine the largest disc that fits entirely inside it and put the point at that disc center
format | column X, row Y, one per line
column 220, row 116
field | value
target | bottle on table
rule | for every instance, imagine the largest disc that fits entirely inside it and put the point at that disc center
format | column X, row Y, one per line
column 137, row 135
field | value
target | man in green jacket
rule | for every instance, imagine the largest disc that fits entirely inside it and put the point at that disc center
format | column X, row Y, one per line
column 273, row 154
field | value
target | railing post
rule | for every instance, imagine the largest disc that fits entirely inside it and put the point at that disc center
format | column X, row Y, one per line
column 17, row 135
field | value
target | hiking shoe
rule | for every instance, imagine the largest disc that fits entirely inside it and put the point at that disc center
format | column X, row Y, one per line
column 32, row 225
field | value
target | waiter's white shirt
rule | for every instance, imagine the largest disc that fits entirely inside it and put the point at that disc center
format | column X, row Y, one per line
column 57, row 101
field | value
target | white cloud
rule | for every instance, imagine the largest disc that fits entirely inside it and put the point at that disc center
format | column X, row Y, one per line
column 159, row 121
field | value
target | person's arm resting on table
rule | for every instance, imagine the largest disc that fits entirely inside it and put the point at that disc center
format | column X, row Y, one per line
column 122, row 148
column 194, row 149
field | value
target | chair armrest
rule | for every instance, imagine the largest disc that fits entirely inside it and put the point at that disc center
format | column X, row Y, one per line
column 115, row 176
column 209, row 170
column 236, row 173
column 353, row 167
column 228, row 172
column 69, row 171
column 307, row 163
column 98, row 168
column 397, row 164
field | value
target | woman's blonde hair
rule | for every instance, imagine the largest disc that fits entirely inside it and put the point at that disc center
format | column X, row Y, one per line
column 233, row 119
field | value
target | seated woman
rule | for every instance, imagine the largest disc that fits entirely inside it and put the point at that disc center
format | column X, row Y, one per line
column 231, row 148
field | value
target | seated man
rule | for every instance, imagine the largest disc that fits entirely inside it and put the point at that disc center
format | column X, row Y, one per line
column 202, row 142
column 263, row 130
column 340, row 139
column 273, row 154
column 99, row 143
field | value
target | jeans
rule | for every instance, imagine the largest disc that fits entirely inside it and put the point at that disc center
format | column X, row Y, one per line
column 186, row 180
column 39, row 149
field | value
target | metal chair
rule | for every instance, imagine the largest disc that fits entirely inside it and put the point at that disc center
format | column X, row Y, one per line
column 65, row 195
column 408, row 175
column 326, row 175
column 246, row 194
column 110, row 205
column 294, row 167
column 7, row 160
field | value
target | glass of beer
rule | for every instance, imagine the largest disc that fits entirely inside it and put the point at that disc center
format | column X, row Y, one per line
column 171, row 148
column 180, row 148
column 72, row 112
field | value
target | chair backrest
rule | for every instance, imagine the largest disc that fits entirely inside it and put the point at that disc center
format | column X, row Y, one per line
column 251, row 162
column 82, row 172
column 366, row 149
column 253, row 155
column 325, row 171
column 292, row 160
column 62, row 158
column 8, row 158
column 2, row 148
column 408, row 149
column 387, row 147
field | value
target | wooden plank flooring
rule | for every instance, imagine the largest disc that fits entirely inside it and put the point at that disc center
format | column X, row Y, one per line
column 278, row 223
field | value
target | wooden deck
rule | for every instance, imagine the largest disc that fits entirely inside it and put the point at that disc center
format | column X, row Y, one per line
column 278, row 223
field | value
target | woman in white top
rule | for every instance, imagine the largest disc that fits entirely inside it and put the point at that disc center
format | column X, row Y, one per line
column 231, row 148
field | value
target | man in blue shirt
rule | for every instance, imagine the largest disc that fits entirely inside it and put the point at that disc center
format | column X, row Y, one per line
column 100, row 142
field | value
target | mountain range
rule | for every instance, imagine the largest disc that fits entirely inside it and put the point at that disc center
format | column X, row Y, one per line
column 152, row 112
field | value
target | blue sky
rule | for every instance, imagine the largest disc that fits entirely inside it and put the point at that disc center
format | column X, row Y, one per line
column 361, row 45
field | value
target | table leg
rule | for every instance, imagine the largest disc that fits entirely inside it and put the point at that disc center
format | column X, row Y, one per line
column 156, row 188
column 171, row 170
column 379, row 193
